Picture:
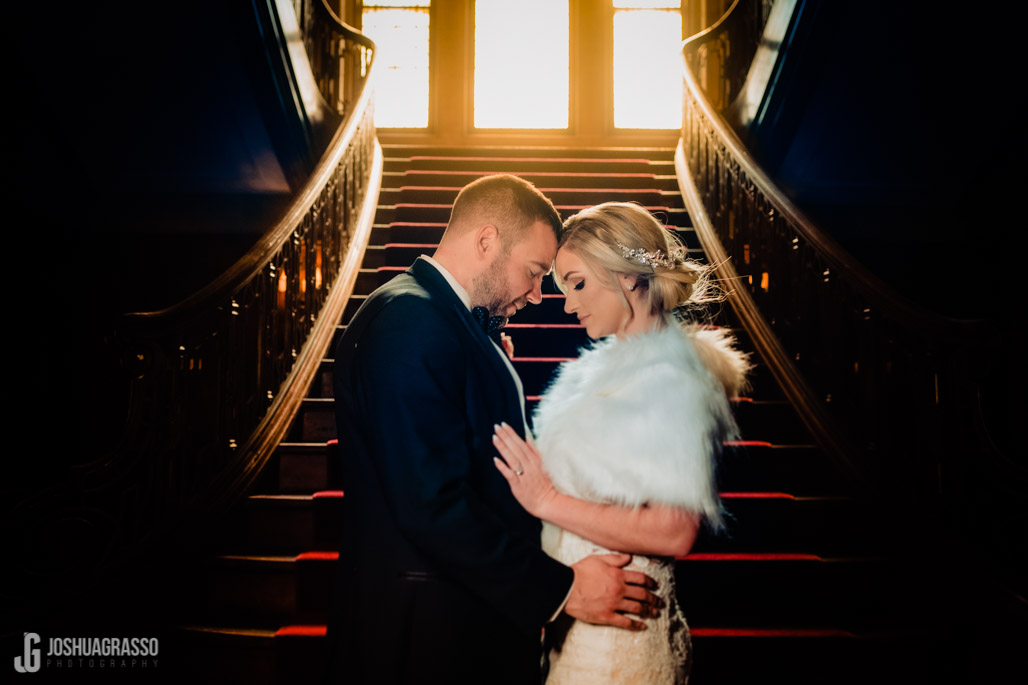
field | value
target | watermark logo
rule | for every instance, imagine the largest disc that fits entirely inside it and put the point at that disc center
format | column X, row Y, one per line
column 28, row 662
column 67, row 653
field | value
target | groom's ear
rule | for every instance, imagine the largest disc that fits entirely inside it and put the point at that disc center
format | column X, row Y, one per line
column 487, row 242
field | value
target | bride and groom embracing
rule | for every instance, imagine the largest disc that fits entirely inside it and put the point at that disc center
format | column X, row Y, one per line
column 455, row 561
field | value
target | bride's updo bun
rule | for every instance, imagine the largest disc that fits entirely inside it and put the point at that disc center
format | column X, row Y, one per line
column 616, row 238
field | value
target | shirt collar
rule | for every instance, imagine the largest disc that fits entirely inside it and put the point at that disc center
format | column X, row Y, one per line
column 457, row 287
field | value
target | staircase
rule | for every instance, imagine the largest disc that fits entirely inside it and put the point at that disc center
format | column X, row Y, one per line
column 803, row 588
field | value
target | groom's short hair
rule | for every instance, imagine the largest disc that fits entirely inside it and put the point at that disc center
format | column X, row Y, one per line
column 510, row 203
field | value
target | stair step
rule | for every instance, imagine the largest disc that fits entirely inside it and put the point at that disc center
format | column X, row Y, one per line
column 557, row 195
column 352, row 305
column 756, row 522
column 816, row 656
column 568, row 164
column 305, row 467
column 646, row 153
column 767, row 522
column 285, row 655
column 213, row 654
column 807, row 655
column 280, row 588
column 541, row 179
column 374, row 257
column 385, row 213
column 773, row 421
column 416, row 232
column 763, row 421
column 291, row 523
column 530, row 340
column 713, row 589
column 782, row 590
column 737, row 655
column 432, row 232
column 802, row 470
column 537, row 372
column 549, row 311
column 538, row 340
column 440, row 212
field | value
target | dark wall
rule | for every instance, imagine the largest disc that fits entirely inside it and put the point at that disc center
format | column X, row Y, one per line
column 140, row 160
column 897, row 127
column 159, row 139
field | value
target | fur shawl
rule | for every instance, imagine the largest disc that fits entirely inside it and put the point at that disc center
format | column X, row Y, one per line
column 641, row 420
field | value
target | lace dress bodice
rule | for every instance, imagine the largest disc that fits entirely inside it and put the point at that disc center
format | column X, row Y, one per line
column 580, row 653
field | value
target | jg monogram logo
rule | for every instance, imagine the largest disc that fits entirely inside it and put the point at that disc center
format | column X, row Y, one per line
column 29, row 662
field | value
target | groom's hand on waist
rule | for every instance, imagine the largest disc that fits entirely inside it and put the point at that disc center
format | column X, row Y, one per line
column 603, row 592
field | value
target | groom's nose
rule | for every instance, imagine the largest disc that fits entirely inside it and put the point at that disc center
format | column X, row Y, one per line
column 535, row 296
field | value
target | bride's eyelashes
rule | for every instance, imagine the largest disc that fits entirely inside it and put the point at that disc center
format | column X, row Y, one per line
column 579, row 285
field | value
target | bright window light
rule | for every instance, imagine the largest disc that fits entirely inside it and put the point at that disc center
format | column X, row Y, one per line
column 647, row 66
column 645, row 4
column 401, row 65
column 521, row 64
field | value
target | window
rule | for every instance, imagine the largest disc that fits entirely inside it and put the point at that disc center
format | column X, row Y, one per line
column 400, row 30
column 521, row 64
column 647, row 64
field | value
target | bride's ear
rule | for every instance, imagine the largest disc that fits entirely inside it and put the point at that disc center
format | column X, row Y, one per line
column 629, row 281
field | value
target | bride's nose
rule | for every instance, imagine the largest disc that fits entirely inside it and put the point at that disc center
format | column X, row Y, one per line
column 568, row 306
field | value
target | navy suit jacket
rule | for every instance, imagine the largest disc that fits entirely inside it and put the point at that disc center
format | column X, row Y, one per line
column 441, row 572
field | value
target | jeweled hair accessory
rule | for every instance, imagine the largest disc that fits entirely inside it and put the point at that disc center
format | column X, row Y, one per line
column 652, row 259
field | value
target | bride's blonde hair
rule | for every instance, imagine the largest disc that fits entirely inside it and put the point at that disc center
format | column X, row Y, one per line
column 623, row 238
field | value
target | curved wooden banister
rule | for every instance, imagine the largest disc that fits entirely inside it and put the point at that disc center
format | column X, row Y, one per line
column 325, row 36
column 877, row 379
column 271, row 242
column 864, row 281
column 214, row 382
column 282, row 299
column 345, row 30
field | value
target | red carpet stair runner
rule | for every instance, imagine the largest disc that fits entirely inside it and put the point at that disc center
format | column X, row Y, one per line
column 802, row 588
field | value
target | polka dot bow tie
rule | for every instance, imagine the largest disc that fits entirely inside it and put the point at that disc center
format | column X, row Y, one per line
column 489, row 324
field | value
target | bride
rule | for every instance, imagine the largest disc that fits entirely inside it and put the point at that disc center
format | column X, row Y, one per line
column 627, row 436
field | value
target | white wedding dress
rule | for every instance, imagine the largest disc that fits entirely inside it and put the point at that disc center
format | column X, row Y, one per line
column 630, row 422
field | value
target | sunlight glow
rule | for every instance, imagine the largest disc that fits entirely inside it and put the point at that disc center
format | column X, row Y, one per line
column 401, row 89
column 521, row 64
column 647, row 67
column 645, row 4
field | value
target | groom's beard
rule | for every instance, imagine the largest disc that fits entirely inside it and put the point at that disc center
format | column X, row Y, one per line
column 489, row 290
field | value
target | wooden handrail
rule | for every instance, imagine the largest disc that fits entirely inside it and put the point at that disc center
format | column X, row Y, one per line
column 345, row 30
column 215, row 381
column 870, row 373
column 271, row 242
column 867, row 283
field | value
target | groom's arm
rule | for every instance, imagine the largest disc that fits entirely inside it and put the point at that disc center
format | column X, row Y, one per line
column 413, row 379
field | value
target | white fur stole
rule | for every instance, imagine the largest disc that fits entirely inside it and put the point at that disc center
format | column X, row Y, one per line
column 641, row 420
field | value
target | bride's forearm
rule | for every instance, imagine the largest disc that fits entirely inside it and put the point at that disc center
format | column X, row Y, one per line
column 656, row 530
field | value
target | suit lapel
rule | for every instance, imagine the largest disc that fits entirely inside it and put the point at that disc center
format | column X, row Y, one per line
column 434, row 282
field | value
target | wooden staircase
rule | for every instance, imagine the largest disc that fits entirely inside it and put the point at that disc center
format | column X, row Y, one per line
column 805, row 586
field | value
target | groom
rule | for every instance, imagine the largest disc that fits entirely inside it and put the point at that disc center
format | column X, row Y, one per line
column 441, row 577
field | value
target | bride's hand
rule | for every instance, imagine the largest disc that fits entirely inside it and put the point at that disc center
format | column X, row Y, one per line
column 523, row 468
